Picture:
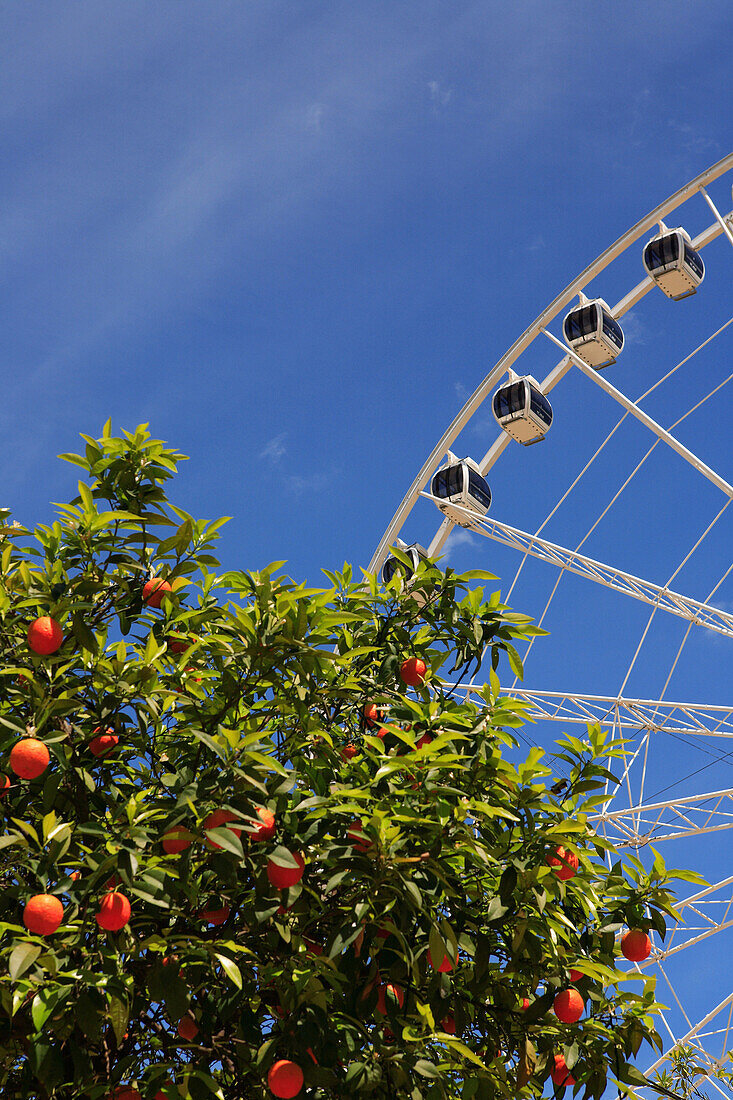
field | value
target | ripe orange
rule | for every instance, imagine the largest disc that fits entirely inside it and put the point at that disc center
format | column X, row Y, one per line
column 565, row 862
column 154, row 591
column 373, row 714
column 424, row 740
column 29, row 757
column 167, row 1091
column 635, row 945
column 395, row 994
column 412, row 671
column 267, row 829
column 43, row 914
column 358, row 838
column 122, row 1092
column 568, row 1006
column 215, row 916
column 445, row 967
column 4, row 784
column 176, row 840
column 561, row 1075
column 215, row 820
column 178, row 645
column 285, row 1079
column 576, row 975
column 448, row 1024
column 349, row 751
column 45, row 636
column 114, row 912
column 283, row 877
column 188, row 1029
column 103, row 743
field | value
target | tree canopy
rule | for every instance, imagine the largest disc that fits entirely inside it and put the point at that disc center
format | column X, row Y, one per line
column 254, row 842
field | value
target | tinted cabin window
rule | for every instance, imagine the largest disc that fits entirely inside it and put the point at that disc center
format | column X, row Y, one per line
column 693, row 260
column 479, row 489
column 509, row 400
column 448, row 482
column 541, row 407
column 663, row 251
column 612, row 329
column 581, row 323
column 388, row 570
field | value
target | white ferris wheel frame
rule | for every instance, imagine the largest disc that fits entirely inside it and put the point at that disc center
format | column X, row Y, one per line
column 708, row 911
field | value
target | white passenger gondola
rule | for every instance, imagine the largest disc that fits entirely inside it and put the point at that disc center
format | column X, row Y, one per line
column 673, row 263
column 593, row 333
column 460, row 483
column 415, row 553
column 522, row 410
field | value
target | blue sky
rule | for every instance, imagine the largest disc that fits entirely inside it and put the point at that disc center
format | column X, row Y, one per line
column 294, row 237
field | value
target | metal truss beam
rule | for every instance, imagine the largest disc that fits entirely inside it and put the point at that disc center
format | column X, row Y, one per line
column 651, row 823
column 653, row 715
column 686, row 608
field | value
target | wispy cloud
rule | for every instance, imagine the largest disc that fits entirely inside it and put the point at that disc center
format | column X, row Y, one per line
column 275, row 448
column 440, row 96
column 460, row 536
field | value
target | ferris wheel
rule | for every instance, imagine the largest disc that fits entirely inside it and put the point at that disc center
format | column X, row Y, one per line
column 615, row 533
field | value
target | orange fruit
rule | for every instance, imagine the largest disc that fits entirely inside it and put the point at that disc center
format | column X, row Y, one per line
column 635, row 945
column 122, row 1092
column 285, row 1079
column 565, row 862
column 349, row 751
column 445, row 967
column 358, row 838
column 154, row 590
column 29, row 758
column 561, row 1075
column 103, row 743
column 215, row 916
column 215, row 820
column 267, row 829
column 178, row 645
column 188, row 1029
column 448, row 1024
column 576, row 975
column 114, row 912
column 424, row 740
column 4, row 784
column 43, row 914
column 396, row 994
column 283, row 877
column 568, row 1006
column 45, row 636
column 412, row 671
column 176, row 840
column 167, row 1091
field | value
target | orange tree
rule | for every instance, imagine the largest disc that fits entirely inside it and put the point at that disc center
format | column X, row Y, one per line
column 242, row 857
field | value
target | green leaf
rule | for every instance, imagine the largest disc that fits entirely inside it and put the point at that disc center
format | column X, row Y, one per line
column 119, row 1014
column 427, row 1069
column 21, row 958
column 231, row 970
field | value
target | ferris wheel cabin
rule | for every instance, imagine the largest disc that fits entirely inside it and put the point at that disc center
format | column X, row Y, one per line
column 522, row 410
column 593, row 333
column 461, row 483
column 673, row 263
column 415, row 553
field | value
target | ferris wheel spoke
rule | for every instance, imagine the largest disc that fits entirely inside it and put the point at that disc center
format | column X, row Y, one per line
column 694, row 1037
column 718, row 216
column 639, row 589
column 645, row 419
